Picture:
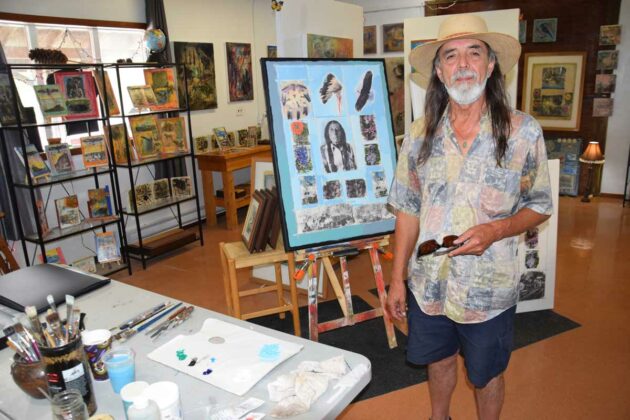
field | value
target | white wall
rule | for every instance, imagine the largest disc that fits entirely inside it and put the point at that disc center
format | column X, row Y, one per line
column 321, row 17
column 617, row 139
column 504, row 21
column 116, row 10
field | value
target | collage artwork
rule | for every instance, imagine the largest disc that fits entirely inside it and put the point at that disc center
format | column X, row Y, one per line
column 334, row 145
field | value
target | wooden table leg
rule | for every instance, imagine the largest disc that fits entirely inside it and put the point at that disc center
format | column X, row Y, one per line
column 208, row 197
column 229, row 198
column 226, row 280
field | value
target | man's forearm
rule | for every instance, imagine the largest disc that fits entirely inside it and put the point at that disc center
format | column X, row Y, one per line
column 407, row 229
column 523, row 220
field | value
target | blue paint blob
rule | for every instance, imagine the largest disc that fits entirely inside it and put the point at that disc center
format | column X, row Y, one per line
column 213, row 359
column 207, row 372
column 269, row 352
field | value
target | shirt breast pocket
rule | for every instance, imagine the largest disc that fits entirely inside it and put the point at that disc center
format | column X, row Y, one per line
column 499, row 191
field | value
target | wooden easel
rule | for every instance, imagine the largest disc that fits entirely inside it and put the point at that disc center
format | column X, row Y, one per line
column 309, row 258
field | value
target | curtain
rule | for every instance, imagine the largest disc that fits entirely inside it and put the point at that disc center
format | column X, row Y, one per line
column 156, row 19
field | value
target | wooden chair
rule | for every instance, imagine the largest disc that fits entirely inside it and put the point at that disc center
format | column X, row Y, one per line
column 234, row 256
column 7, row 260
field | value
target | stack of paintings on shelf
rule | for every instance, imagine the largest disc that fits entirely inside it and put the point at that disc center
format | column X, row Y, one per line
column 160, row 192
column 262, row 223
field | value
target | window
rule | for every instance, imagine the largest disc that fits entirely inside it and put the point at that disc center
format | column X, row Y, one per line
column 84, row 44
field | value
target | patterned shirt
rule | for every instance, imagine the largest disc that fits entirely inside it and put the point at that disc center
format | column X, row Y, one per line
column 450, row 193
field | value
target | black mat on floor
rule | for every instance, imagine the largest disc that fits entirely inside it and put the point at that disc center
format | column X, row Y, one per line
column 390, row 371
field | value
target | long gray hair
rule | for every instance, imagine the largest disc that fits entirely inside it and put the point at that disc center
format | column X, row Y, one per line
column 496, row 100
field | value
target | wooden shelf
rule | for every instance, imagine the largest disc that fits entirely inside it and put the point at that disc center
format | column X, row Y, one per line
column 162, row 243
column 240, row 202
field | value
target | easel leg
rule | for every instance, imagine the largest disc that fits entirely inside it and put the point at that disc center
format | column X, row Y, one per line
column 312, row 302
column 295, row 310
column 382, row 296
column 345, row 278
column 334, row 282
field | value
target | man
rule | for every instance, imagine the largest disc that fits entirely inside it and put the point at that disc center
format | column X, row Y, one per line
column 337, row 153
column 474, row 168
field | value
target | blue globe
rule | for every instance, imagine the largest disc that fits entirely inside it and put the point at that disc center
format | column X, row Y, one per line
column 155, row 40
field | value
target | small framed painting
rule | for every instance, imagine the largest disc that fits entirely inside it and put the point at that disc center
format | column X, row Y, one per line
column 545, row 30
column 369, row 39
column 609, row 34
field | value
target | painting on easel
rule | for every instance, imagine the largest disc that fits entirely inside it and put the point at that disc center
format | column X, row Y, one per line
column 334, row 151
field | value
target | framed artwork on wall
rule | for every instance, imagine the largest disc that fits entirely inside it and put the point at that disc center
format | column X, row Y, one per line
column 198, row 63
column 609, row 34
column 369, row 39
column 239, row 63
column 322, row 46
column 545, row 30
column 394, row 37
column 334, row 155
column 607, row 59
column 552, row 89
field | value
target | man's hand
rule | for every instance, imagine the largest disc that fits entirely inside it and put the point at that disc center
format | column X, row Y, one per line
column 396, row 305
column 476, row 239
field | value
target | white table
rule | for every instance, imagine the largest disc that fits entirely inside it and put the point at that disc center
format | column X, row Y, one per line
column 115, row 303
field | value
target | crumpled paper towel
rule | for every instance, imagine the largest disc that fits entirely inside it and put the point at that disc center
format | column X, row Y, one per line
column 297, row 391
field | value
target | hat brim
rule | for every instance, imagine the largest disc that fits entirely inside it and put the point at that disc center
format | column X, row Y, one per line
column 506, row 47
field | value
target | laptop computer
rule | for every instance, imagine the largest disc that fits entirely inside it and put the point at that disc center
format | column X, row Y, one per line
column 29, row 286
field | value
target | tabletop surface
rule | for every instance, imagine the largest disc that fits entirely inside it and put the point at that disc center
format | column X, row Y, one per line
column 235, row 153
column 117, row 302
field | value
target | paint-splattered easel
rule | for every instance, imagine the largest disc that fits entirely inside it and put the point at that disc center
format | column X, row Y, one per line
column 310, row 256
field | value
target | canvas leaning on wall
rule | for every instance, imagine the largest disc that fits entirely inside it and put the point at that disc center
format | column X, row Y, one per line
column 334, row 149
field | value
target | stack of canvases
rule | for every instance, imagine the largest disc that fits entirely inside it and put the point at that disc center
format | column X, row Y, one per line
column 262, row 224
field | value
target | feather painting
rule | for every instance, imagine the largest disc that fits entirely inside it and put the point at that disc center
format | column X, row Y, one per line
column 365, row 92
column 331, row 87
column 296, row 100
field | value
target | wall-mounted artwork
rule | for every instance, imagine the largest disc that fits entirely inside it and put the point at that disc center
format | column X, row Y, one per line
column 272, row 51
column 607, row 60
column 369, row 39
column 240, row 78
column 322, row 46
column 334, row 152
column 545, row 30
column 602, row 107
column 609, row 34
column 198, row 60
column 522, row 31
column 395, row 70
column 605, row 83
column 552, row 89
column 393, row 37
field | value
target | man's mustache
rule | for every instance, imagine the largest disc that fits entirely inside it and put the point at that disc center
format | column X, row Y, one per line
column 463, row 74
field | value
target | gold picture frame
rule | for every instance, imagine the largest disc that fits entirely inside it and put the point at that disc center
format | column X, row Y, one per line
column 553, row 85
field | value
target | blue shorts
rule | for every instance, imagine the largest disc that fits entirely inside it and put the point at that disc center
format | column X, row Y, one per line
column 486, row 346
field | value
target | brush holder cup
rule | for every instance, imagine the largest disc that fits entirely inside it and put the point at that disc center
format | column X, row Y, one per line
column 29, row 376
column 67, row 368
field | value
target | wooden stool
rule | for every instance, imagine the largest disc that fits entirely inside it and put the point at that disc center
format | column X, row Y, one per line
column 234, row 255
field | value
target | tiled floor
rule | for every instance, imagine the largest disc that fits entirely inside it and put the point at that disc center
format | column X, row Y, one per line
column 576, row 375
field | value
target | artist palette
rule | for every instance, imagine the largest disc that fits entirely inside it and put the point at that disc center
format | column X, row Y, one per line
column 225, row 355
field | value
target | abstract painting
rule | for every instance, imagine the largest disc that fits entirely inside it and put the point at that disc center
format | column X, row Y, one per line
column 322, row 46
column 239, row 63
column 198, row 63
column 369, row 39
column 609, row 34
column 393, row 37
column 272, row 51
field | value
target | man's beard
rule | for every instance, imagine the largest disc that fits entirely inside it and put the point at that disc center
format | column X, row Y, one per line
column 465, row 93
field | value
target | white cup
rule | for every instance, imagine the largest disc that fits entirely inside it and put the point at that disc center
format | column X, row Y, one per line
column 131, row 391
column 166, row 396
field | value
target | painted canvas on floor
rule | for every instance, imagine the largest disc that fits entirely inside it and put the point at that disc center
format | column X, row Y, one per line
column 198, row 63
column 334, row 150
column 322, row 46
column 239, row 66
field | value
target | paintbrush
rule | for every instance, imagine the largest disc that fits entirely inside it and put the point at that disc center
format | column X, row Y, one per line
column 17, row 343
column 20, row 331
column 36, row 326
column 76, row 319
column 51, row 303
column 69, row 307
column 55, row 325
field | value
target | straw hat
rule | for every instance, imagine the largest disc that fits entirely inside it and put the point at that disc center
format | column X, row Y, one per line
column 464, row 26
